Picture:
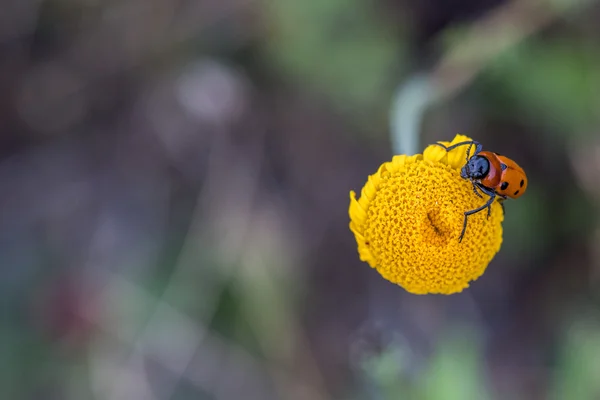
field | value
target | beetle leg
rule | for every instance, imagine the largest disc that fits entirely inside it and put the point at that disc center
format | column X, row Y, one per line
column 475, row 190
column 490, row 193
column 501, row 202
column 478, row 209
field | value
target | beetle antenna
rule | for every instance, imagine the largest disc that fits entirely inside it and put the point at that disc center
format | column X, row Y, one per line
column 469, row 151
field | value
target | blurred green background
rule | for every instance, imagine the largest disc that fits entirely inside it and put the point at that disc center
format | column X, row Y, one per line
column 174, row 189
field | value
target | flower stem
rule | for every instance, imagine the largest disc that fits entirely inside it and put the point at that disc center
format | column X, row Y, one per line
column 410, row 102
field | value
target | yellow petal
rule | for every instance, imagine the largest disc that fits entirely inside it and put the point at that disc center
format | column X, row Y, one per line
column 356, row 212
column 436, row 153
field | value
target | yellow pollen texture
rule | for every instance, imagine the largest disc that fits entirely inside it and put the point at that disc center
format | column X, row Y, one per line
column 409, row 216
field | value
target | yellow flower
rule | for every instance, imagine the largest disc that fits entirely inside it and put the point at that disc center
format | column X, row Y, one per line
column 409, row 216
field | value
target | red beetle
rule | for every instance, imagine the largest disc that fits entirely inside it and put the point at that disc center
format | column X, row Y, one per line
column 493, row 174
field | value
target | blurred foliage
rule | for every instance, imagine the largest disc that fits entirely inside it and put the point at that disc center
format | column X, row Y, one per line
column 456, row 369
column 342, row 49
column 183, row 235
column 524, row 226
column 386, row 370
column 579, row 361
column 554, row 79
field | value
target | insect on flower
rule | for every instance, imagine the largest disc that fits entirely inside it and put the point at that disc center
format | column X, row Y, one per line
column 408, row 214
column 491, row 173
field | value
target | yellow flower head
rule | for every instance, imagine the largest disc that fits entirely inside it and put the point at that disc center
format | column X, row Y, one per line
column 409, row 216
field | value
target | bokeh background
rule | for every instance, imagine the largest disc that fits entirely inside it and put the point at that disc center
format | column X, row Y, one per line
column 174, row 181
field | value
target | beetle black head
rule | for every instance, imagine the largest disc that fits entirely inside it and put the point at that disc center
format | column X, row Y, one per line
column 476, row 168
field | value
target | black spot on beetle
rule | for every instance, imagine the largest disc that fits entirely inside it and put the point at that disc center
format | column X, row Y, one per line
column 503, row 166
column 522, row 182
column 516, row 193
column 504, row 185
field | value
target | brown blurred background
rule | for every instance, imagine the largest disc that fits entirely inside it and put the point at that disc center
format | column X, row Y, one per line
column 174, row 181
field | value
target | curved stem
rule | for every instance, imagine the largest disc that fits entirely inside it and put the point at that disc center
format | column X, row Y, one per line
column 408, row 106
column 501, row 29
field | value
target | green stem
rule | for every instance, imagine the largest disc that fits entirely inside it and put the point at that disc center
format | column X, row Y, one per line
column 410, row 102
